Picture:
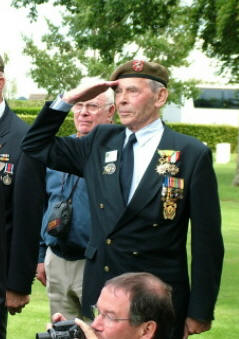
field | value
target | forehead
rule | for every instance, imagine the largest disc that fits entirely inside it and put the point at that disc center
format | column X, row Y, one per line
column 133, row 82
column 114, row 299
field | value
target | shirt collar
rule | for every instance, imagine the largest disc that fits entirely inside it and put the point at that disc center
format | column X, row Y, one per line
column 2, row 108
column 146, row 133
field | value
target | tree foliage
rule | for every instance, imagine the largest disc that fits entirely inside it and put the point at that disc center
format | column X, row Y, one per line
column 95, row 36
column 216, row 23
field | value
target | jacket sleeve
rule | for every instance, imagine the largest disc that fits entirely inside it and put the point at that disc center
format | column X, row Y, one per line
column 207, row 248
column 28, row 200
column 55, row 152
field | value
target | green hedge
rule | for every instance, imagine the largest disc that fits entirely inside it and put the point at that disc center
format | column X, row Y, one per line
column 211, row 134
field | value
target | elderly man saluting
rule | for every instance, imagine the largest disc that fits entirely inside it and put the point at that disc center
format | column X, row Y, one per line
column 145, row 183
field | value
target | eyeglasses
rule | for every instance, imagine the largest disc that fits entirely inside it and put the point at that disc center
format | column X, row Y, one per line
column 109, row 320
column 90, row 107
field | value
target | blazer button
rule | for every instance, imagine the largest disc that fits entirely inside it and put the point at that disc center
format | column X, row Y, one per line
column 135, row 253
column 106, row 269
column 108, row 241
column 102, row 205
column 155, row 225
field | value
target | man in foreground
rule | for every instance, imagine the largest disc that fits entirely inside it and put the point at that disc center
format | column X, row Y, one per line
column 143, row 193
column 61, row 257
column 130, row 306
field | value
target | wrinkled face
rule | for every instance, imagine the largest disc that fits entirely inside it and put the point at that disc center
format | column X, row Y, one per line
column 136, row 103
column 114, row 303
column 89, row 114
column 2, row 83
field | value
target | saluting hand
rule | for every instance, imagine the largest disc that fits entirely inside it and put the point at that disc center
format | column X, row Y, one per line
column 77, row 94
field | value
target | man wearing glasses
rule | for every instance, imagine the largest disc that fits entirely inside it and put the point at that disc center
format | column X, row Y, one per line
column 61, row 259
column 130, row 306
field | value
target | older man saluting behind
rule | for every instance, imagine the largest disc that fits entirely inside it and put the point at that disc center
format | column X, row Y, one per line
column 145, row 183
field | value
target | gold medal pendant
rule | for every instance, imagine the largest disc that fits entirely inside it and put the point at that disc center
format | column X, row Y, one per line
column 169, row 209
column 7, row 179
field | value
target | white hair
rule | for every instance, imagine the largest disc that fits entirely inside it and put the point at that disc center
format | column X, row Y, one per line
column 155, row 85
column 90, row 81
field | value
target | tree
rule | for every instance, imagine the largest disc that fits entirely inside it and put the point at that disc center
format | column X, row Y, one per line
column 95, row 36
column 216, row 24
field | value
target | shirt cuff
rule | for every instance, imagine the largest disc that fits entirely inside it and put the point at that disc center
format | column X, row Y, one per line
column 59, row 105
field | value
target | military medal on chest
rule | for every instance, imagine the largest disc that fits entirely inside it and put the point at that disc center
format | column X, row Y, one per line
column 8, row 174
column 167, row 161
column 172, row 191
column 172, row 188
column 110, row 158
column 4, row 157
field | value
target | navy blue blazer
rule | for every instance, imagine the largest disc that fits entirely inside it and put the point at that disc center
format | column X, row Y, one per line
column 137, row 237
column 23, row 197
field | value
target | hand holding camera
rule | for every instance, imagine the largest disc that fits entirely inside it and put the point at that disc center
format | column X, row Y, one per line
column 67, row 329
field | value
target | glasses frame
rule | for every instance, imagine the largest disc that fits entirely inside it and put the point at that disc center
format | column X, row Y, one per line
column 79, row 111
column 96, row 313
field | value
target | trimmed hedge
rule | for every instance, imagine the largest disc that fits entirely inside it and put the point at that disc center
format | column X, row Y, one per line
column 211, row 134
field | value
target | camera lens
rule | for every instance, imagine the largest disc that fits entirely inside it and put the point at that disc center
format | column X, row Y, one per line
column 44, row 335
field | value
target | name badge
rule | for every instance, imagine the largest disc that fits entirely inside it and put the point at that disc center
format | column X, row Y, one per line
column 111, row 156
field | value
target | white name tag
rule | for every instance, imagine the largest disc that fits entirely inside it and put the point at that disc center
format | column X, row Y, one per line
column 111, row 156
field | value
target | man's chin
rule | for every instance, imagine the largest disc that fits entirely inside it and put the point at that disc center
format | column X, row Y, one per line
column 125, row 119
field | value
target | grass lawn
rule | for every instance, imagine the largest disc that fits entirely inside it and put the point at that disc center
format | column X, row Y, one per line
column 35, row 315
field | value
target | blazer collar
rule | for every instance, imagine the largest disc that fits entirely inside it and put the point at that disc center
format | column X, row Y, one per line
column 5, row 122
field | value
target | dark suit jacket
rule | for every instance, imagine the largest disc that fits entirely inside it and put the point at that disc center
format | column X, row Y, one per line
column 2, row 248
column 23, row 210
column 137, row 237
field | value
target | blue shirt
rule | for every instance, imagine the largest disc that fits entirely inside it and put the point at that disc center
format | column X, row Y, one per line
column 73, row 247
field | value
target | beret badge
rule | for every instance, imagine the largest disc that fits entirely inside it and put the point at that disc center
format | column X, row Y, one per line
column 138, row 65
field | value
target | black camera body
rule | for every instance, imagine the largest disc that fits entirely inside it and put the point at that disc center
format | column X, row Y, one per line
column 63, row 330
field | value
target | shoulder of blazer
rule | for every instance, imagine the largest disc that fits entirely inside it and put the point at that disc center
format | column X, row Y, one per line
column 184, row 140
column 105, row 131
column 16, row 124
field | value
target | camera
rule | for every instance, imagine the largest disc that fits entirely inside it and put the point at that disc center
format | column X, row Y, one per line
column 63, row 330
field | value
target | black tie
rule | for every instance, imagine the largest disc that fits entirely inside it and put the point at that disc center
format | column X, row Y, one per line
column 127, row 167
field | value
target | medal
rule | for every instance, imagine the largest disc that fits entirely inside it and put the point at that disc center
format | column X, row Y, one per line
column 172, row 190
column 4, row 157
column 7, row 175
column 169, row 209
column 167, row 161
column 7, row 179
column 109, row 168
column 2, row 165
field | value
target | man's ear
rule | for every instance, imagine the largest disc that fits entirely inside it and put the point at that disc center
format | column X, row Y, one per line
column 2, row 83
column 148, row 329
column 111, row 112
column 162, row 96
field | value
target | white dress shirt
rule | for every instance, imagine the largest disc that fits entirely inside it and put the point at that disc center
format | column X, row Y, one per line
column 2, row 108
column 148, row 139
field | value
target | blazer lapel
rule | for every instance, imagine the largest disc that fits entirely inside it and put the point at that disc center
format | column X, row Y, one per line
column 151, row 182
column 5, row 122
column 112, row 180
